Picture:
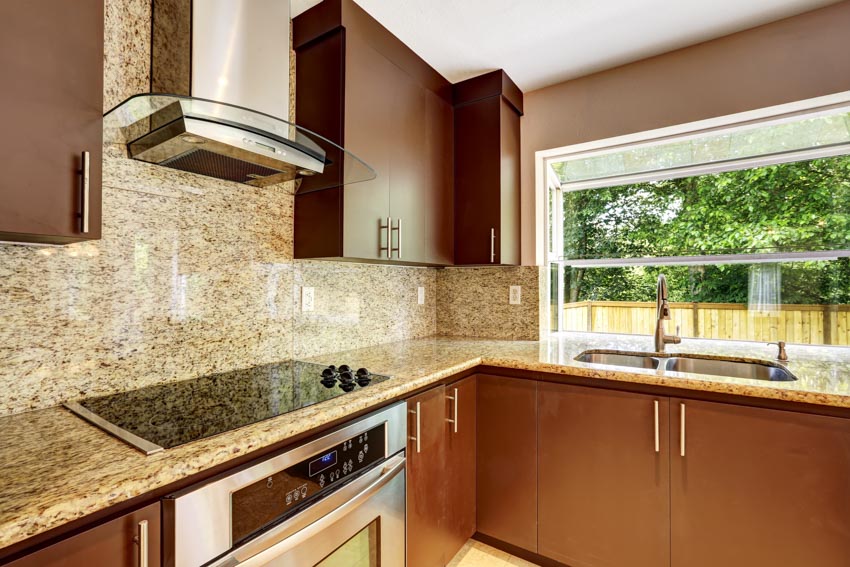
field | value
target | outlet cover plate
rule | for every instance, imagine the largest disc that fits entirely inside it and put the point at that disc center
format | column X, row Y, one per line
column 308, row 296
column 516, row 294
column 420, row 295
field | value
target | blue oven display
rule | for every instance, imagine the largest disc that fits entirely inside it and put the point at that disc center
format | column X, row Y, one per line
column 324, row 462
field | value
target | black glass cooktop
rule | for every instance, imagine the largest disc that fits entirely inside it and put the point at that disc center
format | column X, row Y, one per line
column 164, row 416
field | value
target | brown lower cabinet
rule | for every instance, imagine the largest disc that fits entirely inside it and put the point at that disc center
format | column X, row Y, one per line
column 591, row 477
column 118, row 543
column 604, row 493
column 758, row 487
column 440, row 473
column 461, row 398
column 507, row 460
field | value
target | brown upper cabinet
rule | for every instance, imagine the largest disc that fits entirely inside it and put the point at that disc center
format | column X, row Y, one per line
column 132, row 540
column 487, row 112
column 362, row 88
column 51, row 107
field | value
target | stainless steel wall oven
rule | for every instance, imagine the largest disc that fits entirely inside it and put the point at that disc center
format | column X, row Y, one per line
column 336, row 501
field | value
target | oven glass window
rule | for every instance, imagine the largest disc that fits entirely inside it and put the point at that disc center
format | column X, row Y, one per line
column 359, row 551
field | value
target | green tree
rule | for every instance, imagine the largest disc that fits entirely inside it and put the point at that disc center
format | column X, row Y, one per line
column 800, row 206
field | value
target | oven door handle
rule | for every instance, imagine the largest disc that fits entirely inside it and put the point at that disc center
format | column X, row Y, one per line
column 313, row 520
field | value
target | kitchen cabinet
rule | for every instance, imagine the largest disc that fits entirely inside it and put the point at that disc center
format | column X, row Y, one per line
column 126, row 541
column 507, row 460
column 604, row 494
column 440, row 473
column 461, row 398
column 359, row 86
column 51, row 107
column 487, row 112
column 753, row 486
column 426, row 480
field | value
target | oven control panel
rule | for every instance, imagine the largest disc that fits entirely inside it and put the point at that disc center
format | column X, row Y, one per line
column 261, row 503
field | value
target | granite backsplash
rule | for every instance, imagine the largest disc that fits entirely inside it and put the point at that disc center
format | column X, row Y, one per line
column 195, row 275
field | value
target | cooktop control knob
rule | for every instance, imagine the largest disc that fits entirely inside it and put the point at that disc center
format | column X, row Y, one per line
column 329, row 377
column 344, row 368
column 363, row 377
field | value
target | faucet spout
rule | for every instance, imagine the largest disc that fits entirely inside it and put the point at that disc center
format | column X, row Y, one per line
column 662, row 313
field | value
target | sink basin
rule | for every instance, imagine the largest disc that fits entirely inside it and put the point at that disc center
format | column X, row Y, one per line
column 731, row 369
column 613, row 359
column 693, row 364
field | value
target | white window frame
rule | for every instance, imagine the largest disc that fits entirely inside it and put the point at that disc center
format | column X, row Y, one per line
column 544, row 254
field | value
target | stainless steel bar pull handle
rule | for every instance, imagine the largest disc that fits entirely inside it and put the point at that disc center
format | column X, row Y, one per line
column 454, row 419
column 85, row 206
column 682, row 430
column 492, row 245
column 143, row 543
column 388, row 247
column 418, row 428
column 657, row 432
column 397, row 230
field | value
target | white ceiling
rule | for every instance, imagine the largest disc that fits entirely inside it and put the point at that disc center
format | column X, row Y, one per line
column 542, row 42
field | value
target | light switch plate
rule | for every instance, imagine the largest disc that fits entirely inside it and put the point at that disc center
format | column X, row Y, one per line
column 307, row 298
column 421, row 295
column 516, row 294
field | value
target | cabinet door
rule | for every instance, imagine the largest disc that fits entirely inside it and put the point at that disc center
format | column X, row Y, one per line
column 51, row 107
column 460, row 462
column 371, row 84
column 507, row 460
column 421, row 177
column 508, row 245
column 477, row 145
column 426, row 480
column 114, row 544
column 758, row 487
column 604, row 492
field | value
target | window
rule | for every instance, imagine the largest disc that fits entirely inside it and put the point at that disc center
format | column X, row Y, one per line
column 750, row 224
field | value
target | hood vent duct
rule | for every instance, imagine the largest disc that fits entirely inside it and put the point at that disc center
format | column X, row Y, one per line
column 225, row 65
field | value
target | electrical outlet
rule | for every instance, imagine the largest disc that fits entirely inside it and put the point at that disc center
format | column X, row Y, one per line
column 421, row 295
column 516, row 294
column 307, row 298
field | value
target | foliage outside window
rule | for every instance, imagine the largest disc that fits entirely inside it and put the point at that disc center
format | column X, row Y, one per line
column 779, row 209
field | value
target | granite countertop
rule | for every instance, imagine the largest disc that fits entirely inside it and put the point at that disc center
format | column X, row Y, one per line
column 55, row 467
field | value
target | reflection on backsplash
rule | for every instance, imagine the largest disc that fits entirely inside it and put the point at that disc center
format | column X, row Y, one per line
column 183, row 284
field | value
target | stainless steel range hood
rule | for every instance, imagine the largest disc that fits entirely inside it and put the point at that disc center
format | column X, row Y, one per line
column 225, row 67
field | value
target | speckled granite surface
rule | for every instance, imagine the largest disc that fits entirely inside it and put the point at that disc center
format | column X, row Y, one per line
column 193, row 275
column 55, row 467
column 474, row 302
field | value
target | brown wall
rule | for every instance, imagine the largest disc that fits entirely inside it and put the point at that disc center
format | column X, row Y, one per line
column 793, row 59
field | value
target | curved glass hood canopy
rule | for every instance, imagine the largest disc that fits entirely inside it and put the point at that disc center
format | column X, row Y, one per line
column 229, row 142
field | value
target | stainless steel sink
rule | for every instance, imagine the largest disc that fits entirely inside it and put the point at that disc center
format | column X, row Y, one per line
column 614, row 359
column 731, row 369
column 691, row 363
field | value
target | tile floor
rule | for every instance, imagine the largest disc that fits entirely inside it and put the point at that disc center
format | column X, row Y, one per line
column 476, row 554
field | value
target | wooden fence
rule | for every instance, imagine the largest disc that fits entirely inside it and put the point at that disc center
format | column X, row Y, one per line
column 801, row 324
